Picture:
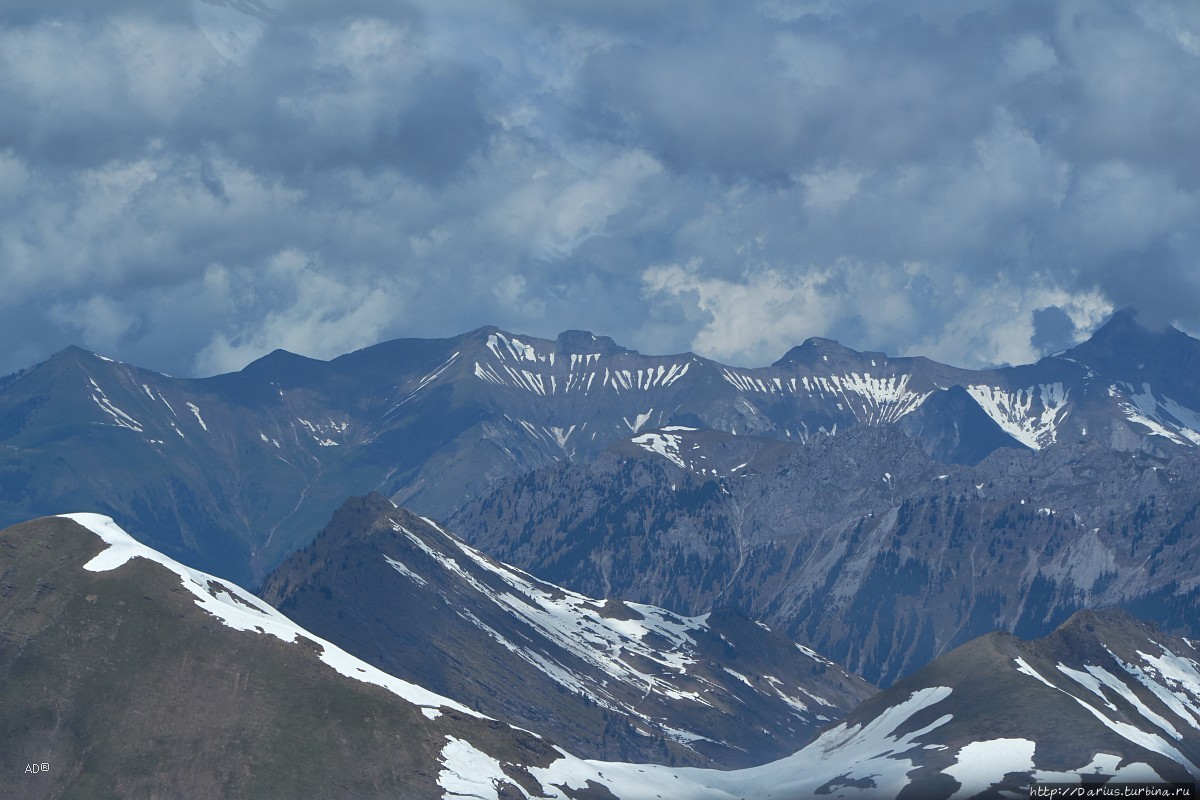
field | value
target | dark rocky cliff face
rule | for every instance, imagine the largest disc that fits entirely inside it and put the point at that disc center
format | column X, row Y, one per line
column 862, row 546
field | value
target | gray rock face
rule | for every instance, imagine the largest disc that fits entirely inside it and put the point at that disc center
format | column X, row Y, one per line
column 1103, row 697
column 603, row 678
column 799, row 492
column 860, row 544
column 1102, row 700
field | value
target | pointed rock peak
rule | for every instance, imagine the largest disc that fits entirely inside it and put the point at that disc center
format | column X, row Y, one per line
column 359, row 516
column 75, row 351
column 816, row 350
column 279, row 365
column 1127, row 324
column 482, row 332
column 72, row 356
column 277, row 353
column 1127, row 349
column 276, row 357
column 69, row 359
column 1090, row 619
column 586, row 343
column 1123, row 317
column 1123, row 322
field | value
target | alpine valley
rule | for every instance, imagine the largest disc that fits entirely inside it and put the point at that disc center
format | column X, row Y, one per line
column 499, row 566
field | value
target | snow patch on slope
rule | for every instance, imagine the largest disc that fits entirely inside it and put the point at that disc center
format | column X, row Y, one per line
column 1093, row 681
column 664, row 444
column 1103, row 764
column 872, row 400
column 119, row 417
column 422, row 383
column 405, row 571
column 638, row 421
column 980, row 764
column 238, row 609
column 519, row 365
column 1162, row 416
column 1031, row 416
column 196, row 410
column 321, row 431
column 575, row 622
column 871, row 756
column 469, row 772
column 501, row 345
column 691, row 454
column 1173, row 679
column 1025, row 669
column 868, row 761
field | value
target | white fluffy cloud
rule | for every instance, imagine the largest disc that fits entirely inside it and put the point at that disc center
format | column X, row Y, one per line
column 746, row 319
column 754, row 319
column 309, row 310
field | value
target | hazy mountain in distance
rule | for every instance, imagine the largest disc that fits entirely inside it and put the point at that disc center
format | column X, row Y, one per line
column 860, row 544
column 229, row 472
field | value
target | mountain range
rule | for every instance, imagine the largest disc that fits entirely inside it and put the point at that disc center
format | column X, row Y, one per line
column 129, row 674
column 604, row 678
column 661, row 563
column 860, row 544
column 229, row 472
column 1004, row 498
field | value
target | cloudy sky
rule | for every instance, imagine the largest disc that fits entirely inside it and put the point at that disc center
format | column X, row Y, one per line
column 189, row 184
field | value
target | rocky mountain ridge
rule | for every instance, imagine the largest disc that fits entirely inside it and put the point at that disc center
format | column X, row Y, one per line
column 606, row 679
column 129, row 674
column 228, row 472
column 860, row 544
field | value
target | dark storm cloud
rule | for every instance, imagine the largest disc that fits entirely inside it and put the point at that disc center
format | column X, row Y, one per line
column 1053, row 329
column 192, row 184
column 748, row 94
column 304, row 101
